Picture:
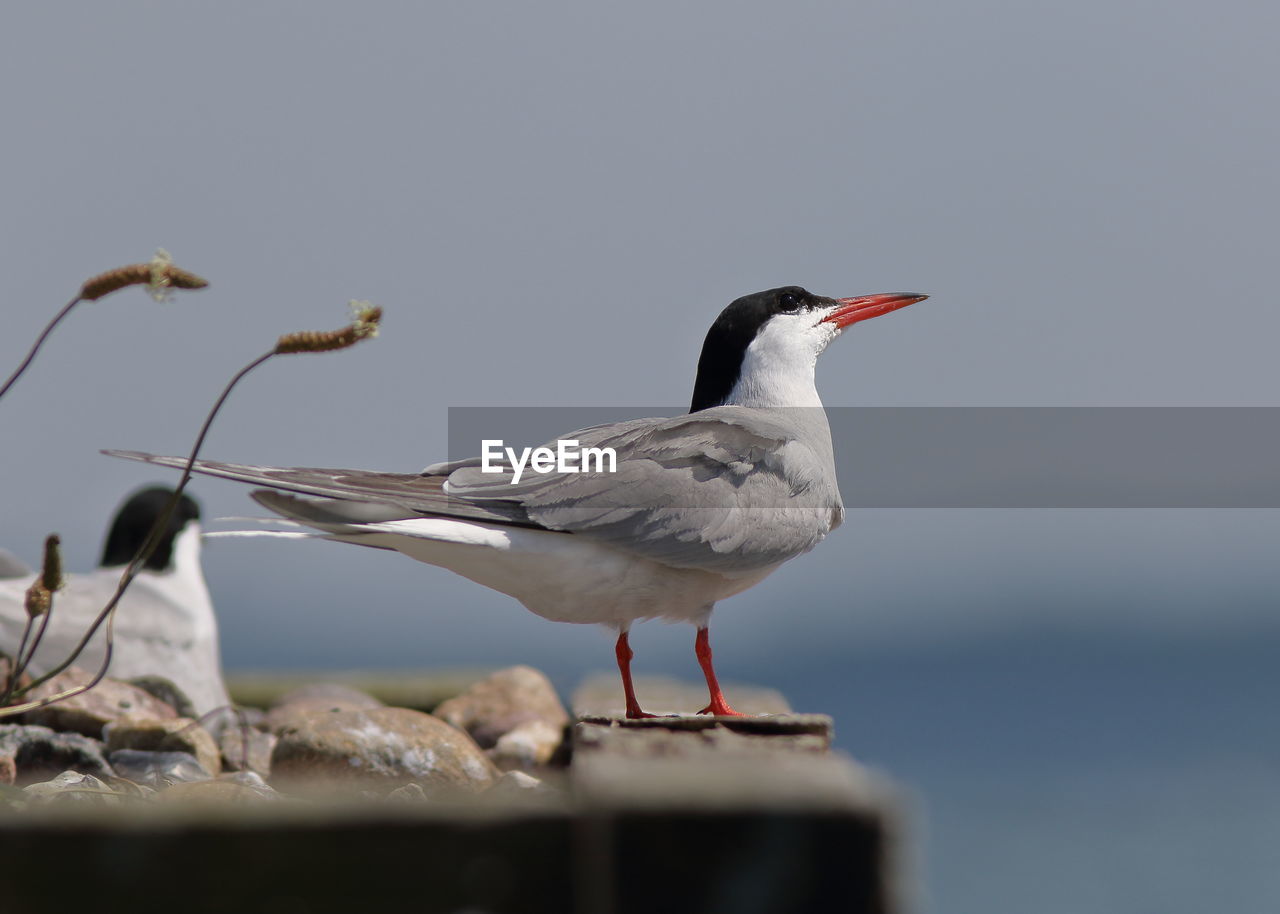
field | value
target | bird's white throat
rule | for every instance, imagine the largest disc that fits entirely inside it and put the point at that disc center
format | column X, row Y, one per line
column 779, row 365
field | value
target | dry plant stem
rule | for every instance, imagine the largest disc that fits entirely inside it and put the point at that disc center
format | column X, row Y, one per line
column 66, row 309
column 153, row 540
column 38, row 602
column 15, row 664
column 25, row 654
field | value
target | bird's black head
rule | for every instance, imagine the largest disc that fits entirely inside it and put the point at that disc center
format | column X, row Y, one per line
column 134, row 521
column 720, row 365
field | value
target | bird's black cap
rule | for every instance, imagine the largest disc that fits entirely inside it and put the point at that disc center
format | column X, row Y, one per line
column 720, row 365
column 134, row 521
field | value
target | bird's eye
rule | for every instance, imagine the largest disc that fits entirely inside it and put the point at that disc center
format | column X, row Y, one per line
column 788, row 301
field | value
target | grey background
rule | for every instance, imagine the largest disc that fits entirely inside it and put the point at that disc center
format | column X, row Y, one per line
column 553, row 201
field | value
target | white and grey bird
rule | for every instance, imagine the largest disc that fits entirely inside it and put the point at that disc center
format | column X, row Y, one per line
column 164, row 623
column 700, row 507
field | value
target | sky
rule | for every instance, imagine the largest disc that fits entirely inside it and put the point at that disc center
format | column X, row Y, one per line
column 553, row 202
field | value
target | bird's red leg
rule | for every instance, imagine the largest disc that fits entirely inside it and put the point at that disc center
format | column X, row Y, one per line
column 718, row 704
column 624, row 652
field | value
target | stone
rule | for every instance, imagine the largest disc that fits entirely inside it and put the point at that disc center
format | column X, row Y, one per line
column 533, row 744
column 131, row 789
column 72, row 787
column 214, row 793
column 250, row 779
column 38, row 753
column 504, row 701
column 158, row 769
column 8, row 769
column 379, row 747
column 90, row 711
column 177, row 734
column 318, row 696
column 165, row 690
column 409, row 793
column 246, row 749
column 518, row 784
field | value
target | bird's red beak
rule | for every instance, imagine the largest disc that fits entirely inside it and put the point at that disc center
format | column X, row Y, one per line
column 852, row 310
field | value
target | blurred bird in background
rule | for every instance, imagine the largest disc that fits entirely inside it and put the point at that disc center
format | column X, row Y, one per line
column 164, row 624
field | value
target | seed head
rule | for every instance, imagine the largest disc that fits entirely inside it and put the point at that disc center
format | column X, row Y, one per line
column 160, row 276
column 364, row 325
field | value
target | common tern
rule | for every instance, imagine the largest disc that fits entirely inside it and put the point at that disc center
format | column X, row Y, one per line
column 697, row 508
column 164, row 623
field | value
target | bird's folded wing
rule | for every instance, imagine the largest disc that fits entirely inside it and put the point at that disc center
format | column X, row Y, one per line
column 718, row 489
column 721, row 489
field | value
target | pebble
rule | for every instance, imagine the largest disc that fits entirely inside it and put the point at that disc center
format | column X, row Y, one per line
column 517, row 704
column 38, row 752
column 72, row 787
column 213, row 793
column 246, row 749
column 317, row 696
column 90, row 711
column 517, row 783
column 168, row 692
column 178, row 734
column 409, row 793
column 158, row 769
column 530, row 745
column 387, row 746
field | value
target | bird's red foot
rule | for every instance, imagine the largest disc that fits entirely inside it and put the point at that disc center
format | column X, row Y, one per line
column 720, row 708
column 637, row 714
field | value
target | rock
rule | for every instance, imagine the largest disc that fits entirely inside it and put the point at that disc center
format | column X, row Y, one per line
column 158, row 769
column 530, row 745
column 90, row 711
column 246, row 749
column 214, row 793
column 318, row 696
column 38, row 753
column 517, row 784
column 507, row 700
column 8, row 769
column 131, row 789
column 166, row 691
column 251, row 780
column 380, row 746
column 409, row 793
column 72, row 787
column 178, row 734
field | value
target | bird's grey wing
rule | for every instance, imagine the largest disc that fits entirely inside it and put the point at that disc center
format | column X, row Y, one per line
column 724, row 489
column 363, row 496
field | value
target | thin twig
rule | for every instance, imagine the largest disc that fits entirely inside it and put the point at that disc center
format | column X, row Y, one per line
column 66, row 309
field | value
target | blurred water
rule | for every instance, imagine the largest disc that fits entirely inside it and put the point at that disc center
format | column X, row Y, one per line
column 1051, row 772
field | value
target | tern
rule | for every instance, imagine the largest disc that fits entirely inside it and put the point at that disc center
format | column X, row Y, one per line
column 697, row 508
column 164, row 623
